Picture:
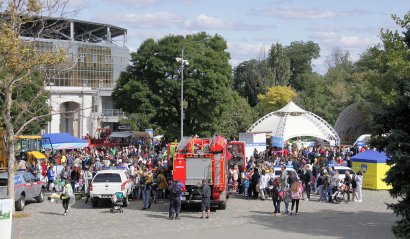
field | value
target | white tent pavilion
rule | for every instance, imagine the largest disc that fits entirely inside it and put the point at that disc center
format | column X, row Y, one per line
column 292, row 121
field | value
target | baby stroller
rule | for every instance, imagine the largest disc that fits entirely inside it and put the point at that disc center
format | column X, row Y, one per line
column 117, row 201
column 340, row 194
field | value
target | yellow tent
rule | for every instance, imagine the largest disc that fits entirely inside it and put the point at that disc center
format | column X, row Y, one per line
column 374, row 167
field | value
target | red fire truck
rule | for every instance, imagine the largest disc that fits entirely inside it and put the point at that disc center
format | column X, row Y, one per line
column 198, row 159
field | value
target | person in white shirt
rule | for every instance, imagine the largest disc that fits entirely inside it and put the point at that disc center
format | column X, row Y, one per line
column 359, row 181
column 235, row 176
column 263, row 185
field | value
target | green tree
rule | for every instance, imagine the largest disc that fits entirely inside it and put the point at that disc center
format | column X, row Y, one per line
column 301, row 55
column 279, row 64
column 151, row 86
column 390, row 116
column 237, row 117
column 252, row 78
column 276, row 97
column 314, row 96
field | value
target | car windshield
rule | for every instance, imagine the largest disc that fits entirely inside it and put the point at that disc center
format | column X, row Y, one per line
column 107, row 178
column 3, row 181
column 343, row 171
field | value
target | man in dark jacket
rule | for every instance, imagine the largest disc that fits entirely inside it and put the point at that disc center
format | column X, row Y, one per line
column 307, row 181
column 206, row 199
column 292, row 178
column 255, row 180
column 176, row 193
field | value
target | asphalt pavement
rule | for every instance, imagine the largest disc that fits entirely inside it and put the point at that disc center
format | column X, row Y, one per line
column 242, row 219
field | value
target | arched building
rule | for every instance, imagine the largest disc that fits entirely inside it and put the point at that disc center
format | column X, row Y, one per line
column 351, row 123
column 292, row 121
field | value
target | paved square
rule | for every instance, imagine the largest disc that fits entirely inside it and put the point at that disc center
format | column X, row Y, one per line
column 242, row 219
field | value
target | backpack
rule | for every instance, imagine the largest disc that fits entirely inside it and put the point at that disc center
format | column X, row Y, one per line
column 175, row 190
column 246, row 183
column 271, row 181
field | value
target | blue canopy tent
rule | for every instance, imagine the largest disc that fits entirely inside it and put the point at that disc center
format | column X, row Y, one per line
column 63, row 141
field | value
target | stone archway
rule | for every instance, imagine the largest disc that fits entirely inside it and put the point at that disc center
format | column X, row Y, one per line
column 70, row 118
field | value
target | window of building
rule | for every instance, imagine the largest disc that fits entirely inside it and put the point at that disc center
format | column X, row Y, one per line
column 95, row 58
column 81, row 58
column 107, row 60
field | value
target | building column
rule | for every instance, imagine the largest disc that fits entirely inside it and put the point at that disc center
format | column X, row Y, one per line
column 109, row 34
column 72, row 31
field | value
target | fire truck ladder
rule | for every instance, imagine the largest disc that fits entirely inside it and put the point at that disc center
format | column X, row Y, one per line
column 183, row 144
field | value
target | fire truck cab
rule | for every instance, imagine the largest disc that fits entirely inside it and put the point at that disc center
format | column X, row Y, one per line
column 198, row 159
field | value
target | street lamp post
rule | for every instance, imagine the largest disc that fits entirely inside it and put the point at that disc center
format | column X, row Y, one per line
column 182, row 93
column 50, row 106
column 183, row 63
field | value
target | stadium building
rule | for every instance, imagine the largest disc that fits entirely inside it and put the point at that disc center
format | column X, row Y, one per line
column 81, row 90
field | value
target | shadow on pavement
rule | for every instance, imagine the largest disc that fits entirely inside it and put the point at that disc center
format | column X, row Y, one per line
column 331, row 223
column 52, row 213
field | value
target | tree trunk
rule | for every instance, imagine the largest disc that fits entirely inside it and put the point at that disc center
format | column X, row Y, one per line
column 11, row 171
column 10, row 138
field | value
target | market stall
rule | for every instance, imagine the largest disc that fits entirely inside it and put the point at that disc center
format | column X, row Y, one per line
column 63, row 141
column 374, row 167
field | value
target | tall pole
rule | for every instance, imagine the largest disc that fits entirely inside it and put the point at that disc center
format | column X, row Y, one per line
column 182, row 93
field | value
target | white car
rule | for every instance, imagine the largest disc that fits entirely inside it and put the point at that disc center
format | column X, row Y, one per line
column 277, row 171
column 108, row 182
column 342, row 170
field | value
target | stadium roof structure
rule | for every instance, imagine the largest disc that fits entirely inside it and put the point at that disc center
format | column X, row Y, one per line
column 292, row 121
column 69, row 29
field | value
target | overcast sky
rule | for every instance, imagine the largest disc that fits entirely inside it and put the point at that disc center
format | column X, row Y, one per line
column 250, row 27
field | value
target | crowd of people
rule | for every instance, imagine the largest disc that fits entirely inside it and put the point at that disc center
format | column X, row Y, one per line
column 312, row 171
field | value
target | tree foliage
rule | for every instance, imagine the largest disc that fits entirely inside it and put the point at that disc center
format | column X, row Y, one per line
column 151, row 86
column 276, row 97
column 279, row 65
column 390, row 119
column 301, row 55
column 21, row 87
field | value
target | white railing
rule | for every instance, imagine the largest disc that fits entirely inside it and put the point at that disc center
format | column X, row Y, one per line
column 94, row 83
column 113, row 113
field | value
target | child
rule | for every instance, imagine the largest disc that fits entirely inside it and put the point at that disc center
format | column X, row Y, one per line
column 286, row 199
column 246, row 184
column 276, row 197
column 296, row 195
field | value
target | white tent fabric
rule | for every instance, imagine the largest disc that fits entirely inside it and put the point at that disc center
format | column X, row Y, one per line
column 292, row 121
